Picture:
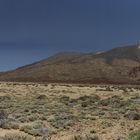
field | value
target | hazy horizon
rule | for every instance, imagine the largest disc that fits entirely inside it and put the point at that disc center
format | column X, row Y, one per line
column 31, row 30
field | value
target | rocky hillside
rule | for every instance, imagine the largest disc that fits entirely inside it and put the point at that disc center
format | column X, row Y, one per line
column 119, row 65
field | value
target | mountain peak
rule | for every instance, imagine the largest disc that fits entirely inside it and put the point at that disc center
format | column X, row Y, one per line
column 118, row 65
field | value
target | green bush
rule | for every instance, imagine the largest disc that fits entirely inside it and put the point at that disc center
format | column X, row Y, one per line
column 134, row 135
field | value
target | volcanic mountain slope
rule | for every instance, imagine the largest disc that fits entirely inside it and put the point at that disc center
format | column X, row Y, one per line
column 119, row 65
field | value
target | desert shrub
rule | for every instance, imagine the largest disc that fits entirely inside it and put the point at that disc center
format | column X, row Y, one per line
column 85, row 137
column 3, row 118
column 104, row 102
column 10, row 125
column 132, row 115
column 17, row 136
column 132, row 107
column 125, row 90
column 26, row 110
column 34, row 111
column 64, row 98
column 41, row 132
column 26, row 128
column 17, row 116
column 45, row 138
column 84, row 104
column 105, row 89
column 108, row 89
column 3, row 114
column 38, row 125
column 6, row 97
column 14, row 126
column 23, row 119
column 93, row 98
column 114, row 101
column 83, row 100
column 87, row 100
column 34, row 132
column 43, row 118
column 106, row 124
column 33, row 118
column 33, row 129
column 134, row 135
column 41, row 97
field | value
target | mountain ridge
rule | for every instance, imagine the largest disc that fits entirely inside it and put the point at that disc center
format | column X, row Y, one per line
column 118, row 65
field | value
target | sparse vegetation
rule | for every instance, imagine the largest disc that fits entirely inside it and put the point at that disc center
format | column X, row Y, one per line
column 46, row 112
column 85, row 137
column 17, row 136
column 134, row 135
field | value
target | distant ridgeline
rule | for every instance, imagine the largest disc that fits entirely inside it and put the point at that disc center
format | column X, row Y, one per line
column 117, row 66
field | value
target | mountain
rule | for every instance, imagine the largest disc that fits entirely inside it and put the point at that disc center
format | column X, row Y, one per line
column 116, row 66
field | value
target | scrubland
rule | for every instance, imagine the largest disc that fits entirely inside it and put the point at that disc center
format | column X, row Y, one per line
column 31, row 111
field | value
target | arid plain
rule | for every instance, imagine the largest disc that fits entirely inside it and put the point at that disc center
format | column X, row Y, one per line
column 69, row 111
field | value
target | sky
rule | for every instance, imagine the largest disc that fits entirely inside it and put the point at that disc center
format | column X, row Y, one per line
column 31, row 30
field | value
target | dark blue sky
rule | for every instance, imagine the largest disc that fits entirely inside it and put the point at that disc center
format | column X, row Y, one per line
column 31, row 30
